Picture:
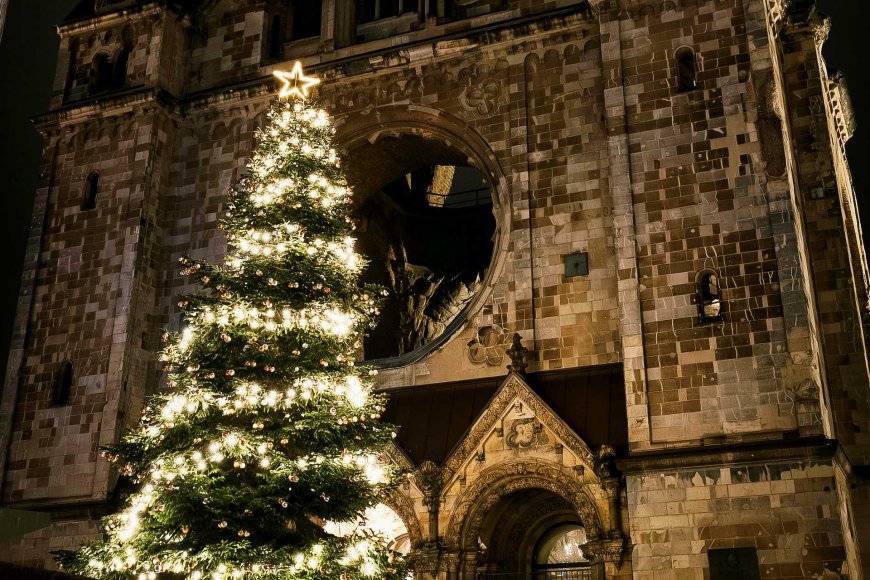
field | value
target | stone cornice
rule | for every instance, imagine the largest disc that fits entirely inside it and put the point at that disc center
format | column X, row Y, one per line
column 333, row 67
column 103, row 108
column 108, row 20
column 815, row 448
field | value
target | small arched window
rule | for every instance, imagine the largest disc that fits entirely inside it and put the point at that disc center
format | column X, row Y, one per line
column 101, row 74
column 687, row 73
column 709, row 296
column 119, row 69
column 89, row 195
column 63, row 381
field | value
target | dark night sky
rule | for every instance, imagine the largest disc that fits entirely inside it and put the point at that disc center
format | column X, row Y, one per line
column 28, row 53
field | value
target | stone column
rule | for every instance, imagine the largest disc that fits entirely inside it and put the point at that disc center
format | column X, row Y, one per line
column 451, row 563
column 468, row 563
column 428, row 479
column 610, row 487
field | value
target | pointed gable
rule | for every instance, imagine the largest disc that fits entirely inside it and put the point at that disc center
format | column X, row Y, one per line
column 433, row 419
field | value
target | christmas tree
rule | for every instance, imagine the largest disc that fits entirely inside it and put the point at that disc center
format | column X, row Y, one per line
column 268, row 429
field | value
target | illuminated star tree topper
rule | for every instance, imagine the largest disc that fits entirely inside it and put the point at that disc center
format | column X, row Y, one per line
column 296, row 84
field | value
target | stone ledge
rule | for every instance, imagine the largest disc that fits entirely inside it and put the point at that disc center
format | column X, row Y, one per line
column 729, row 454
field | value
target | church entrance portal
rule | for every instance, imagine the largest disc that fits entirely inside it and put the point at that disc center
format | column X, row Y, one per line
column 533, row 534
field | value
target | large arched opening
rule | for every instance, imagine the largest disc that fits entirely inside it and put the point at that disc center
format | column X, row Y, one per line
column 533, row 533
column 425, row 225
column 429, row 201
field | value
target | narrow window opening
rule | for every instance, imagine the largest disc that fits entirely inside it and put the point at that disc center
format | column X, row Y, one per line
column 371, row 10
column 306, row 19
column 687, row 74
column 62, row 384
column 119, row 72
column 709, row 296
column 101, row 74
column 276, row 38
column 92, row 186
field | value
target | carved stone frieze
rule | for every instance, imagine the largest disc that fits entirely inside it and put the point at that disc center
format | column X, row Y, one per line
column 397, row 456
column 403, row 506
column 430, row 558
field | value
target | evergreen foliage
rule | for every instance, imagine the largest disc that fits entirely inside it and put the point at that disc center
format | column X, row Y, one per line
column 268, row 430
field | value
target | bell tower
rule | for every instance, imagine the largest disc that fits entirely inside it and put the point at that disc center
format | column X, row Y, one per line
column 87, row 322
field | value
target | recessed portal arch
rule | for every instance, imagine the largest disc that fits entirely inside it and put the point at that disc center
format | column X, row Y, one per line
column 491, row 486
column 532, row 533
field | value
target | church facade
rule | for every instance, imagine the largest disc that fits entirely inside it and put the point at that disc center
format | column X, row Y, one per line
column 629, row 314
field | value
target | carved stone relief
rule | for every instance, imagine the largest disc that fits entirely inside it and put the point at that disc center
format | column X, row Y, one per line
column 488, row 346
column 525, row 433
column 484, row 93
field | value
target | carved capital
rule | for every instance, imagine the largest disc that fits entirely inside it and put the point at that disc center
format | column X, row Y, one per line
column 611, row 486
column 606, row 550
column 431, row 558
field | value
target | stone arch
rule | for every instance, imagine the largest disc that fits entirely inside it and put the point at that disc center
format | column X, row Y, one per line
column 395, row 121
column 497, row 482
column 520, row 547
column 404, row 508
column 356, row 130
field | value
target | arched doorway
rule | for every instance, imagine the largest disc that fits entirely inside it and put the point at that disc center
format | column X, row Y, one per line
column 533, row 534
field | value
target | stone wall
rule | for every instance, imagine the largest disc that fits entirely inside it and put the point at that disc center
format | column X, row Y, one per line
column 787, row 511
